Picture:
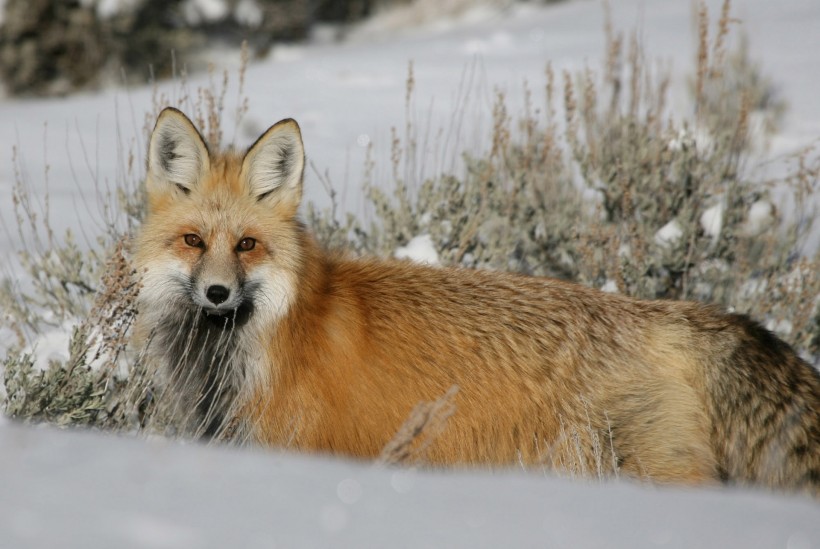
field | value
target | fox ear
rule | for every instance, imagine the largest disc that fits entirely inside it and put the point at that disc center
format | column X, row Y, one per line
column 275, row 164
column 177, row 154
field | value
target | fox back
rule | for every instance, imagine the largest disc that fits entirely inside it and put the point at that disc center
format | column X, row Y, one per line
column 262, row 334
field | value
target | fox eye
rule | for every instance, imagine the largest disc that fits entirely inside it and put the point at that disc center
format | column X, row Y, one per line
column 194, row 240
column 246, row 244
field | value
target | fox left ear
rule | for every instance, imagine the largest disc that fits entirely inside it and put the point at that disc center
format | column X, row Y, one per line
column 275, row 164
column 177, row 154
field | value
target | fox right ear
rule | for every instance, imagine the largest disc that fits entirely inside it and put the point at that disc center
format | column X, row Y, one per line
column 177, row 154
column 275, row 164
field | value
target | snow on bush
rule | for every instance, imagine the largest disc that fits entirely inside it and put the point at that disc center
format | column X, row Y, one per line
column 711, row 220
column 669, row 235
column 420, row 249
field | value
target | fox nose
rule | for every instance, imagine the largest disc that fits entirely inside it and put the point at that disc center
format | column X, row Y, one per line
column 217, row 294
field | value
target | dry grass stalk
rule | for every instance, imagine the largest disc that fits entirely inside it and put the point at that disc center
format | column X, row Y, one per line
column 115, row 308
column 719, row 49
column 703, row 52
column 419, row 431
column 580, row 452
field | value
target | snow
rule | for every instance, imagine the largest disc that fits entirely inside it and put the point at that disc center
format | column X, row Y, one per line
column 781, row 327
column 80, row 489
column 493, row 43
column 420, row 249
column 669, row 235
column 761, row 217
column 610, row 286
column 50, row 345
column 106, row 9
column 441, row 15
column 248, row 12
column 711, row 220
column 700, row 139
column 198, row 11
column 100, row 491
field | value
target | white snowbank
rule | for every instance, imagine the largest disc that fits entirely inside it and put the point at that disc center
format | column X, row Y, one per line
column 438, row 15
column 51, row 345
column 92, row 491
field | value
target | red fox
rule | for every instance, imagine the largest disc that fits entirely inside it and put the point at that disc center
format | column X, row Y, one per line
column 257, row 326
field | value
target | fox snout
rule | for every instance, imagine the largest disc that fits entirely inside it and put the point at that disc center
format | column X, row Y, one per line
column 217, row 294
column 218, row 297
column 223, row 304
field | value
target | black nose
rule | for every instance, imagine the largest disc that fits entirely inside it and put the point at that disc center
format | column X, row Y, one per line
column 217, row 294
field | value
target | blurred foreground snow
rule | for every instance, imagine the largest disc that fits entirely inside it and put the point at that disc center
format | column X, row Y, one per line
column 95, row 491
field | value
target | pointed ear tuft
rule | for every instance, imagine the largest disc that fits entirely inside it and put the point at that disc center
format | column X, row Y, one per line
column 275, row 164
column 177, row 154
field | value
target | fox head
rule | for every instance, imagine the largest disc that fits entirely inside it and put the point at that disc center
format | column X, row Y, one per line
column 220, row 237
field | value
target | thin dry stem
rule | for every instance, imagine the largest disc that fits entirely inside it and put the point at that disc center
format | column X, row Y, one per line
column 426, row 422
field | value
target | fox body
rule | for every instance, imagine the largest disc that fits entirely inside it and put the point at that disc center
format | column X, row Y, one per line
column 255, row 324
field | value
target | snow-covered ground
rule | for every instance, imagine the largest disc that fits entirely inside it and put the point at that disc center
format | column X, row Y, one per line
column 90, row 490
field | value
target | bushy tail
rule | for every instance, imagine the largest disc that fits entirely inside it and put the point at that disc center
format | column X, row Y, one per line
column 765, row 405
